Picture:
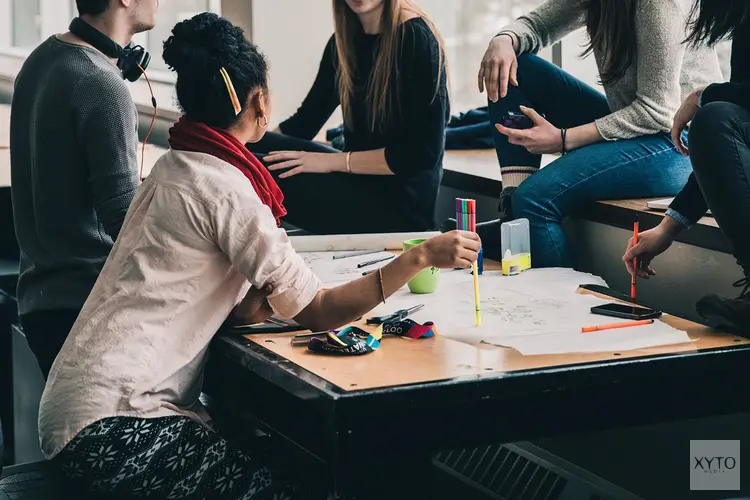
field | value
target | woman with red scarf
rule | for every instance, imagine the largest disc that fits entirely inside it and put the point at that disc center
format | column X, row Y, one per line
column 200, row 243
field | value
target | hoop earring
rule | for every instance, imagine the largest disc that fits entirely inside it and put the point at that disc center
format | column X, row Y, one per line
column 265, row 122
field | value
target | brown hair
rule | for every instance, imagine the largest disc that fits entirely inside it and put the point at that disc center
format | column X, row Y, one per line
column 611, row 29
column 382, row 95
column 712, row 21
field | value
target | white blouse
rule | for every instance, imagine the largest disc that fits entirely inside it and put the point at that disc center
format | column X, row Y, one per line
column 195, row 238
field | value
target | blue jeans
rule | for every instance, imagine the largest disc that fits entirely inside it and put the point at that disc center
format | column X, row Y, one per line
column 647, row 166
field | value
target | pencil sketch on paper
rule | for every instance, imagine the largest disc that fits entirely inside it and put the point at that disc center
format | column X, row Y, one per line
column 311, row 258
column 537, row 312
column 517, row 308
column 337, row 271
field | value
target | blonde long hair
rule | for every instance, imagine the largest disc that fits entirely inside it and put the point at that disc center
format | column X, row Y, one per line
column 381, row 88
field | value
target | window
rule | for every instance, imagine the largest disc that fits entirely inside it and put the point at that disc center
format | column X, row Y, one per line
column 26, row 20
column 25, row 23
column 170, row 13
column 467, row 27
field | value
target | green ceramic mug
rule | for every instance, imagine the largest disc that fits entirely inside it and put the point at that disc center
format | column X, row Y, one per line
column 426, row 280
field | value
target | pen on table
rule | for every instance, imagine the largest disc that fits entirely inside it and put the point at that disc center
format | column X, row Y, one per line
column 635, row 261
column 357, row 253
column 304, row 338
column 612, row 326
column 376, row 261
column 397, row 316
column 281, row 322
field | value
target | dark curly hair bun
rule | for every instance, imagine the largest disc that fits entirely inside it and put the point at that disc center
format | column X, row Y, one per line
column 196, row 50
column 204, row 41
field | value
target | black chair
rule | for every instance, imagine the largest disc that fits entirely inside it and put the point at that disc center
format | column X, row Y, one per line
column 8, row 316
column 34, row 481
column 41, row 481
column 2, row 448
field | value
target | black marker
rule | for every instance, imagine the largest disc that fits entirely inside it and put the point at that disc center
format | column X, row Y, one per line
column 397, row 316
column 376, row 261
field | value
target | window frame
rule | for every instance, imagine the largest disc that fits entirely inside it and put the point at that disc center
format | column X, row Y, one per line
column 52, row 12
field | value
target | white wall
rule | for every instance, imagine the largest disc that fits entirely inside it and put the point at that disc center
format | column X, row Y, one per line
column 467, row 26
column 292, row 34
column 584, row 69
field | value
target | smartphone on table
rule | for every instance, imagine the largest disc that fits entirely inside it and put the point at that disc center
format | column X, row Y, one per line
column 626, row 311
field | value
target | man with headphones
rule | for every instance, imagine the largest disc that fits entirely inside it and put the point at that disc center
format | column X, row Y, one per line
column 74, row 167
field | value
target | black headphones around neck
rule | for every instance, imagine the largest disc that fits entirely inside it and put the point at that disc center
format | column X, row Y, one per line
column 130, row 59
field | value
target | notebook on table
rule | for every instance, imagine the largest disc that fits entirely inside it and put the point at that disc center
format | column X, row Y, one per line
column 663, row 205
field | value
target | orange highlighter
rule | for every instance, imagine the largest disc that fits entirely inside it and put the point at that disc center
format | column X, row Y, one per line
column 635, row 262
column 612, row 326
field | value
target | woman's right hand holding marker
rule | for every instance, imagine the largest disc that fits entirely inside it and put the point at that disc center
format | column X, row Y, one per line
column 650, row 244
column 452, row 249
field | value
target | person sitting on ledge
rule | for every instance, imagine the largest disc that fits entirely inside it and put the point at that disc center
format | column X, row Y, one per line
column 719, row 150
column 385, row 67
column 612, row 147
column 201, row 242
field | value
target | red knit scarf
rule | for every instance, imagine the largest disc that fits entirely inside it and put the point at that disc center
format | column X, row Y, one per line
column 188, row 135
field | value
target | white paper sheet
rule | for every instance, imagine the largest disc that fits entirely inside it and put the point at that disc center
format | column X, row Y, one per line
column 352, row 242
column 536, row 312
column 333, row 272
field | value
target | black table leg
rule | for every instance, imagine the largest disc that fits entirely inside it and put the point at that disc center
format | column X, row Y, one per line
column 374, row 473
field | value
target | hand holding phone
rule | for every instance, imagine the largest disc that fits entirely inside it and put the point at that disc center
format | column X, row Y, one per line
column 517, row 121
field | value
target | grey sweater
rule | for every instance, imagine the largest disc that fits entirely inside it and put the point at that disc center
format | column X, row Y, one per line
column 646, row 98
column 74, row 172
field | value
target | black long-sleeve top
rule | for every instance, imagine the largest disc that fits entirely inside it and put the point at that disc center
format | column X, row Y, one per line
column 414, row 141
column 689, row 204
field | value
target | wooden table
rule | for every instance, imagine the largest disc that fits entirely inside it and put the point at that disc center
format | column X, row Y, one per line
column 383, row 415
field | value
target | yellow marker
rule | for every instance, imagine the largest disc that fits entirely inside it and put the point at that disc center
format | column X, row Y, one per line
column 476, row 293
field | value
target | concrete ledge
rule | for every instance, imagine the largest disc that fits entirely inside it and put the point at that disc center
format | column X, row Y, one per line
column 477, row 172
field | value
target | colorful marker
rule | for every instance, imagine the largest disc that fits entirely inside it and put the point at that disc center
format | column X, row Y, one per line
column 612, row 326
